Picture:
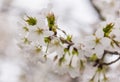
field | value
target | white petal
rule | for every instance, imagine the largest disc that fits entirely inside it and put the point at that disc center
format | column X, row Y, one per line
column 99, row 50
column 99, row 33
column 105, row 42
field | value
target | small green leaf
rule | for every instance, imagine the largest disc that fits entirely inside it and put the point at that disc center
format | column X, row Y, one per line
column 108, row 29
column 66, row 50
column 31, row 21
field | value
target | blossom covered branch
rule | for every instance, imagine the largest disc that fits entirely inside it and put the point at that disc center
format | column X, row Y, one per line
column 42, row 38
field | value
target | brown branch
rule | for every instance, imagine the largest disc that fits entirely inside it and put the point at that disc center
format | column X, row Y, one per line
column 112, row 61
column 109, row 52
column 101, row 62
column 97, row 10
column 62, row 31
column 112, row 53
column 103, row 56
column 65, row 41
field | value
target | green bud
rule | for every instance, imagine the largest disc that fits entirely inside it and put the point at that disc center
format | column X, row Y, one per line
column 69, row 38
column 51, row 20
column 51, row 23
column 38, row 48
column 47, row 39
column 93, row 57
column 75, row 51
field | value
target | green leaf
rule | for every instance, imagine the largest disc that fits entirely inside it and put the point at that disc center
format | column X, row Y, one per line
column 31, row 21
column 108, row 29
column 66, row 50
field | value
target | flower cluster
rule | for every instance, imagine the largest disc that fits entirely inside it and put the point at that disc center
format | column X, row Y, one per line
column 43, row 40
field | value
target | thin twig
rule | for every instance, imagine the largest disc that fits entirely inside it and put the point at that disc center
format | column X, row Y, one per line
column 62, row 31
column 97, row 10
column 65, row 41
column 103, row 56
column 112, row 61
column 112, row 52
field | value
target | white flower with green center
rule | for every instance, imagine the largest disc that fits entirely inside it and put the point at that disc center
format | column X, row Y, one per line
column 97, row 43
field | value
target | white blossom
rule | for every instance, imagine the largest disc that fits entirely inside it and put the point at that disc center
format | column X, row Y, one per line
column 66, row 54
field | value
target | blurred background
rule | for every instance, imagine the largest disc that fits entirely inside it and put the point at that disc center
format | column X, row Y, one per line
column 77, row 17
